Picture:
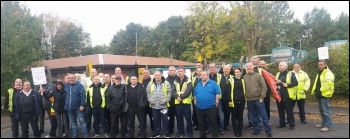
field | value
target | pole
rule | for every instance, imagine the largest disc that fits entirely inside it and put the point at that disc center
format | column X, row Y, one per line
column 136, row 43
column 299, row 43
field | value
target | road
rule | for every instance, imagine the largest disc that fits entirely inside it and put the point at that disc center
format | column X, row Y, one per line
column 339, row 130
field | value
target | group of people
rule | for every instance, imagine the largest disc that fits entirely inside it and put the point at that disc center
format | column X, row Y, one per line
column 207, row 100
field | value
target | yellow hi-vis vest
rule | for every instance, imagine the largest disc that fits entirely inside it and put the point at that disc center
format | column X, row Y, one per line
column 292, row 91
column 102, row 91
column 232, row 81
column 10, row 91
column 165, row 89
column 178, row 91
column 126, row 80
column 327, row 83
column 218, row 80
column 52, row 111
column 303, row 84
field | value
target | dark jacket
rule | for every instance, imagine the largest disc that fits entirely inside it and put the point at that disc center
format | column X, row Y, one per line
column 46, row 104
column 188, row 90
column 37, row 103
column 75, row 96
column 115, row 98
column 283, row 90
column 57, row 97
column 142, row 94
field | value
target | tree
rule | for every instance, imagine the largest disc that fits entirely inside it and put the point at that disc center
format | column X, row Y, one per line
column 99, row 49
column 20, row 42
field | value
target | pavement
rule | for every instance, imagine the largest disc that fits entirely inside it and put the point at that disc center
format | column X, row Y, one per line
column 339, row 129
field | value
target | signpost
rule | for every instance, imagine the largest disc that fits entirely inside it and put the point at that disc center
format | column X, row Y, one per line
column 39, row 76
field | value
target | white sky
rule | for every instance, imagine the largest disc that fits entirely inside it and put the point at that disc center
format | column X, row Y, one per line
column 105, row 18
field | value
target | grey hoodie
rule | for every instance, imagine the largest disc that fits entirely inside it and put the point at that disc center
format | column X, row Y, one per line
column 157, row 97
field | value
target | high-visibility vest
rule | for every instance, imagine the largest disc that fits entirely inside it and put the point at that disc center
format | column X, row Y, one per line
column 292, row 91
column 10, row 91
column 218, row 80
column 102, row 91
column 126, row 79
column 327, row 83
column 165, row 89
column 232, row 81
column 303, row 84
column 52, row 111
column 178, row 91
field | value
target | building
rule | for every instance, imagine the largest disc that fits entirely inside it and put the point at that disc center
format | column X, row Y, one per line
column 107, row 63
column 335, row 43
column 287, row 54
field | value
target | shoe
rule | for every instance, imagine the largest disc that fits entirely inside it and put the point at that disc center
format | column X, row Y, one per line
column 304, row 122
column 196, row 128
column 48, row 136
column 319, row 126
column 106, row 135
column 179, row 136
column 255, row 133
column 280, row 126
column 236, row 134
column 226, row 129
column 269, row 135
column 221, row 132
column 208, row 132
column 270, row 123
column 291, row 128
column 167, row 136
column 248, row 127
column 155, row 136
column 325, row 129
column 95, row 136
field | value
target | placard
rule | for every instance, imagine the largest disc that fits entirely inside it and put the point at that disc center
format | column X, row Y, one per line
column 323, row 53
column 39, row 76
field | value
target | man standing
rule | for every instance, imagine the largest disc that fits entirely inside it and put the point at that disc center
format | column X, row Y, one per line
column 225, row 92
column 287, row 85
column 255, row 93
column 74, row 104
column 195, row 81
column 107, row 84
column 88, row 110
column 183, row 100
column 323, row 89
column 148, row 110
column 137, row 100
column 159, row 94
column 172, row 110
column 115, row 99
column 27, row 104
column 118, row 72
column 267, row 99
column 10, row 106
column 206, row 98
column 303, row 86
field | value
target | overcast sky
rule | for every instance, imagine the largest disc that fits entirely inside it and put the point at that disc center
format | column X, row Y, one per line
column 105, row 18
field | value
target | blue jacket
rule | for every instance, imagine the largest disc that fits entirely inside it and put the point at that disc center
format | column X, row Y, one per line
column 75, row 96
column 57, row 97
column 37, row 102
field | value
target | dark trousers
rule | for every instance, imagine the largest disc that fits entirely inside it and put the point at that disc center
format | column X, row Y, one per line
column 184, row 110
column 301, row 106
column 171, row 113
column 62, row 123
column 194, row 115
column 88, row 115
column 24, row 120
column 140, row 113
column 108, row 120
column 99, row 118
column 158, row 118
column 286, row 105
column 115, row 117
column 150, row 115
column 15, row 125
column 227, row 113
column 66, row 127
column 237, row 117
column 211, row 115
column 42, row 117
column 267, row 101
column 53, row 122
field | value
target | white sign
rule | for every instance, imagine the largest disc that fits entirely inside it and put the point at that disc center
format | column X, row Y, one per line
column 39, row 76
column 323, row 53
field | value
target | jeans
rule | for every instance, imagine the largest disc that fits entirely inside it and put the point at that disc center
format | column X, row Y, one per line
column 158, row 118
column 73, row 115
column 220, row 116
column 62, row 118
column 184, row 110
column 301, row 106
column 325, row 111
column 99, row 118
column 256, row 108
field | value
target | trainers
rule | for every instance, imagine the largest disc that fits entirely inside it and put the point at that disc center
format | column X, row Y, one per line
column 106, row 135
column 48, row 136
column 269, row 135
column 155, row 136
column 325, row 129
column 179, row 136
column 319, row 126
column 95, row 136
column 166, row 136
